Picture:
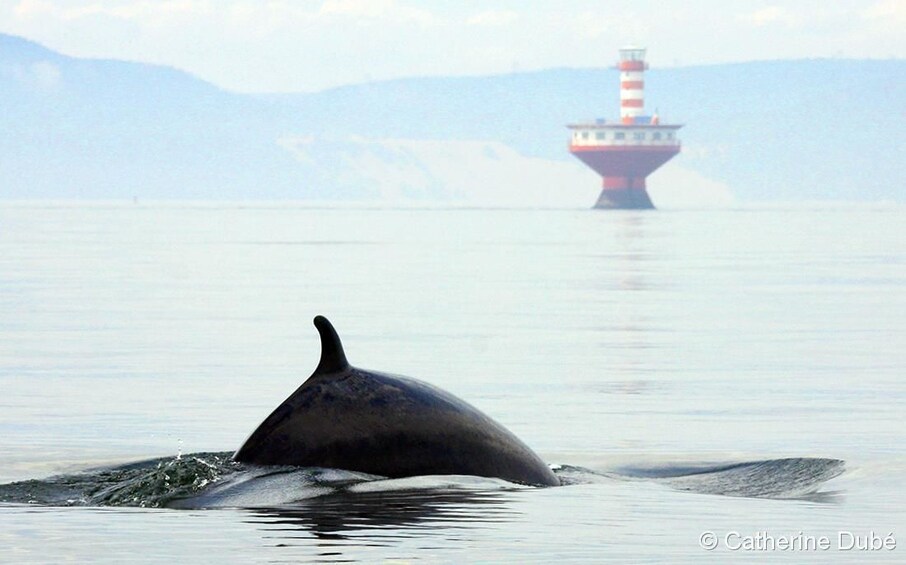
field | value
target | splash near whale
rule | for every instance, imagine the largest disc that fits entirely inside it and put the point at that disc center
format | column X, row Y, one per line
column 343, row 417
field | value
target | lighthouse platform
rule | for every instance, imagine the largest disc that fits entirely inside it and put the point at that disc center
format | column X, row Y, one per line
column 624, row 155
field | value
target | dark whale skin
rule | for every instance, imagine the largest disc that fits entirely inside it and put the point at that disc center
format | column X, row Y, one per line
column 347, row 418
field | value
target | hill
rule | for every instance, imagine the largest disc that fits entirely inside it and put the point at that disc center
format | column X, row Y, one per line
column 764, row 131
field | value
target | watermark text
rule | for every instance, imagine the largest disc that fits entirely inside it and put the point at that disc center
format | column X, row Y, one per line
column 798, row 541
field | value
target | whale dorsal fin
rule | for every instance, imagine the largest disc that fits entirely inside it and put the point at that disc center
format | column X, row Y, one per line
column 333, row 359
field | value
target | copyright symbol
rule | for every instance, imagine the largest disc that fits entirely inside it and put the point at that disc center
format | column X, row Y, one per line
column 708, row 541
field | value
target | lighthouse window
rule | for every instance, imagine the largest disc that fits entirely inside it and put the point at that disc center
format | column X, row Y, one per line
column 670, row 135
column 638, row 136
column 619, row 135
column 656, row 135
column 600, row 135
column 584, row 135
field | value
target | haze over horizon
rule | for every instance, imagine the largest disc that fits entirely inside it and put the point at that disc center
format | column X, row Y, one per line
column 140, row 99
column 311, row 45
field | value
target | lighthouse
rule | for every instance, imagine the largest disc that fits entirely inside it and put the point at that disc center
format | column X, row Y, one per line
column 625, row 152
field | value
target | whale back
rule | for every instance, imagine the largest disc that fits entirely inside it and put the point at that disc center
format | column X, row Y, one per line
column 389, row 425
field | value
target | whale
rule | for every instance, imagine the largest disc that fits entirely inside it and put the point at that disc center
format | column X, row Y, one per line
column 343, row 417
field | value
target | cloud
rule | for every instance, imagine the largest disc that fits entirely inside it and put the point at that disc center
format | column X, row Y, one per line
column 388, row 10
column 285, row 45
column 596, row 25
column 493, row 18
column 33, row 8
column 770, row 15
column 888, row 10
column 136, row 10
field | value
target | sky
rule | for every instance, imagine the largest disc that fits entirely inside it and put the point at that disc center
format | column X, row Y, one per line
column 311, row 45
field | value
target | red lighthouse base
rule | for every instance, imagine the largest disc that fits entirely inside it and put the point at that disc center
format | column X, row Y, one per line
column 624, row 193
column 624, row 169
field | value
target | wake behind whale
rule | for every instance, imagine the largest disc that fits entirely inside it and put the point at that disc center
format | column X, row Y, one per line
column 215, row 480
column 349, row 431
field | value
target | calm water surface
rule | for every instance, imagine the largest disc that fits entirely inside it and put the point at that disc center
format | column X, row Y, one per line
column 605, row 340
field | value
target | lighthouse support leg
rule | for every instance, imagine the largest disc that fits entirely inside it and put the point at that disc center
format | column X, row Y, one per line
column 624, row 193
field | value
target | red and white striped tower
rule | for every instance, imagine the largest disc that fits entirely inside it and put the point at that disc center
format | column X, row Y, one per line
column 625, row 152
column 632, row 83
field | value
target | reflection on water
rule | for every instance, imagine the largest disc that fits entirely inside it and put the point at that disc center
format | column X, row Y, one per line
column 348, row 515
column 406, row 525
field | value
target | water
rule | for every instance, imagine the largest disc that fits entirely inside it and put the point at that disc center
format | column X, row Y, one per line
column 632, row 345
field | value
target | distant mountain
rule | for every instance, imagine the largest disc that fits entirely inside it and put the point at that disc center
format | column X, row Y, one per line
column 779, row 130
column 789, row 130
column 74, row 128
